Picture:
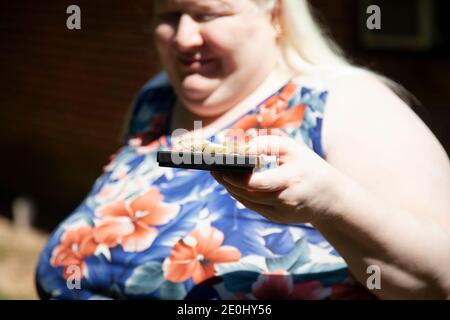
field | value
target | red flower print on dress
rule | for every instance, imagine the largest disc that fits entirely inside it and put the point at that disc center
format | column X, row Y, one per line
column 144, row 143
column 280, row 285
column 273, row 114
column 75, row 245
column 195, row 255
column 119, row 190
column 131, row 223
column 153, row 138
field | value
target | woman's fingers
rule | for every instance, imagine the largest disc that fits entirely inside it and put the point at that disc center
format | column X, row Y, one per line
column 265, row 198
column 265, row 210
column 238, row 181
column 272, row 145
column 271, row 180
column 267, row 181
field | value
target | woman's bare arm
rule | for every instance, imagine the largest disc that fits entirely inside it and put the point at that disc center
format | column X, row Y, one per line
column 392, row 205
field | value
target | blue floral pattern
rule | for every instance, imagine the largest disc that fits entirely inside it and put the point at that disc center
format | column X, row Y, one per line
column 163, row 233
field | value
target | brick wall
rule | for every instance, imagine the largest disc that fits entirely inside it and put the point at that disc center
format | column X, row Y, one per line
column 64, row 94
column 426, row 75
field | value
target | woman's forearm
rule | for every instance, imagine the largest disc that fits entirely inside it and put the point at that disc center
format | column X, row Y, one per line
column 412, row 251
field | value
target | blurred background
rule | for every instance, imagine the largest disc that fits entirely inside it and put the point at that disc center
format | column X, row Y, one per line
column 64, row 97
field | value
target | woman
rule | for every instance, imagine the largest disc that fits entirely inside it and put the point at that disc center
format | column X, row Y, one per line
column 360, row 190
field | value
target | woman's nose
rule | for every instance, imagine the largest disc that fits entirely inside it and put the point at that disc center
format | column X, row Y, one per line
column 188, row 34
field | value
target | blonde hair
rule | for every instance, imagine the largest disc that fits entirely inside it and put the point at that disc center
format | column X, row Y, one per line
column 306, row 47
column 303, row 41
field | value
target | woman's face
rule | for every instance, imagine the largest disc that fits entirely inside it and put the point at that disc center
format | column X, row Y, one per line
column 216, row 52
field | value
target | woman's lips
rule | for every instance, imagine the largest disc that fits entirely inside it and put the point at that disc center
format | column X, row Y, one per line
column 193, row 64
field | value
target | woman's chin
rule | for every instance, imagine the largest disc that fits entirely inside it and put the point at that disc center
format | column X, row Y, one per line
column 199, row 95
column 196, row 88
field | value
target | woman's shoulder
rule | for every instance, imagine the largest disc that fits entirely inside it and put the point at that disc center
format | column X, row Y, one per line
column 359, row 103
column 327, row 78
column 153, row 102
column 346, row 82
column 358, row 96
column 367, row 119
column 357, row 93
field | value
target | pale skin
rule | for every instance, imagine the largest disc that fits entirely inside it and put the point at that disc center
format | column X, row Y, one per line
column 380, row 197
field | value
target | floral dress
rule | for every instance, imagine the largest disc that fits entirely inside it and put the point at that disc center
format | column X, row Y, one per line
column 163, row 233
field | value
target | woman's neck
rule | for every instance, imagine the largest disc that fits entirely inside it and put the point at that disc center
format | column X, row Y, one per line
column 183, row 118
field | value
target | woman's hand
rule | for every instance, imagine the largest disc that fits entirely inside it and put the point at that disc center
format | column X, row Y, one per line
column 298, row 190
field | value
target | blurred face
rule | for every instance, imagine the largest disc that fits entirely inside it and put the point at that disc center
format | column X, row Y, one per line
column 216, row 52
